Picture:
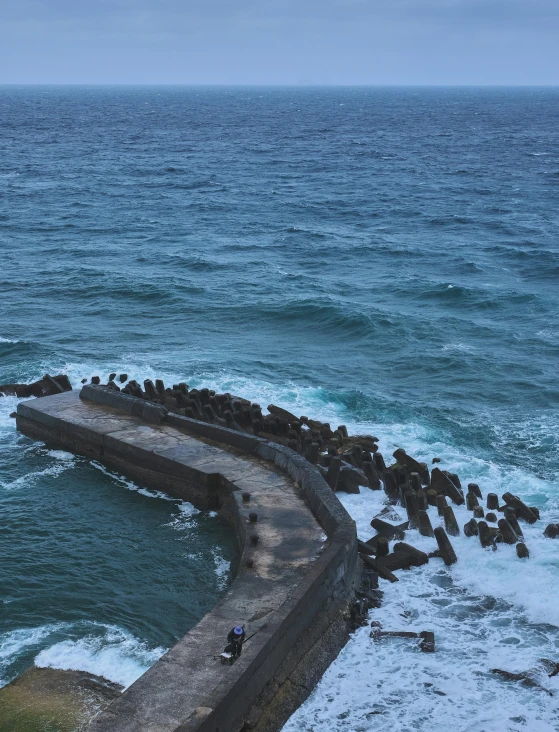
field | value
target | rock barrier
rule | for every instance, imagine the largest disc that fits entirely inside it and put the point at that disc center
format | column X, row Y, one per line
column 347, row 462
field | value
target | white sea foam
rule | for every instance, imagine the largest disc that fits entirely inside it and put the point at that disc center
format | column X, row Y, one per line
column 106, row 650
column 8, row 340
column 381, row 686
column 459, row 347
column 52, row 471
column 184, row 519
column 134, row 367
column 8, row 404
column 116, row 655
column 222, row 569
column 293, row 396
column 490, row 610
column 125, row 482
column 61, row 455
column 390, row 685
column 500, row 574
column 15, row 641
column 62, row 460
column 186, row 511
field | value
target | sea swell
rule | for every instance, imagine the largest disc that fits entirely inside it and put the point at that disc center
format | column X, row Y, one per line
column 381, row 258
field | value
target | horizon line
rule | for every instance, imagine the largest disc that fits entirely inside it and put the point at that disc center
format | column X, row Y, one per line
column 294, row 85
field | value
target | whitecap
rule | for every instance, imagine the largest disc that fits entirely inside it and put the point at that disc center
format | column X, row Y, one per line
column 125, row 482
column 458, row 347
column 186, row 511
column 52, row 471
column 60, row 455
column 116, row 655
column 14, row 642
column 550, row 334
column 222, row 569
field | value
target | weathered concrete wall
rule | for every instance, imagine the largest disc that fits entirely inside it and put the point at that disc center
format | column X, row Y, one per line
column 293, row 587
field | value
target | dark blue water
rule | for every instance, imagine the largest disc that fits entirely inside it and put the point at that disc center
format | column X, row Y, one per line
column 388, row 257
column 96, row 574
column 396, row 248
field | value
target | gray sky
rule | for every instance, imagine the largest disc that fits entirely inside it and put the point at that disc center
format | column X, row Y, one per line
column 279, row 41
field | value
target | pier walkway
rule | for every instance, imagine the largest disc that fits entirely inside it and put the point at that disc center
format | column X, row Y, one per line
column 292, row 581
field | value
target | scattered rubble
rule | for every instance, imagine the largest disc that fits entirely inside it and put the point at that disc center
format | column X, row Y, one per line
column 427, row 642
column 47, row 386
column 532, row 676
column 521, row 509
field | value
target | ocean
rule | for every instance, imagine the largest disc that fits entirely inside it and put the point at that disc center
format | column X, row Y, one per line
column 385, row 258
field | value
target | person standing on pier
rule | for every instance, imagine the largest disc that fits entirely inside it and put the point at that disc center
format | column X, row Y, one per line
column 235, row 639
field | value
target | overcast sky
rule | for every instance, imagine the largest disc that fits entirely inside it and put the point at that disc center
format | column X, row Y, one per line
column 279, row 41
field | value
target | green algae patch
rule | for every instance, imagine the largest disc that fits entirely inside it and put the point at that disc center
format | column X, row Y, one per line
column 50, row 700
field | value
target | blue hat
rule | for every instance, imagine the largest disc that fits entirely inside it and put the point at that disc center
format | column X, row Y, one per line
column 238, row 630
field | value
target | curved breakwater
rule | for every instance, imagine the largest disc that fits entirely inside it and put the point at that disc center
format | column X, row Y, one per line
column 295, row 579
column 490, row 610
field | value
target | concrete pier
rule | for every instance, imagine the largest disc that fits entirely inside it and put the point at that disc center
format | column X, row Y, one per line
column 292, row 586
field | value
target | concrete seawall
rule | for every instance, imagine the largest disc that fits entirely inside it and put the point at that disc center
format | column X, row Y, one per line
column 296, row 573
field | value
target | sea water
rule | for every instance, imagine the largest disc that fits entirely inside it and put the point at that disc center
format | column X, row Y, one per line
column 98, row 574
column 382, row 258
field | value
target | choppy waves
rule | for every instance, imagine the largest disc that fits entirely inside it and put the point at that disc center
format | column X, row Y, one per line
column 487, row 612
column 103, row 650
column 115, row 655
